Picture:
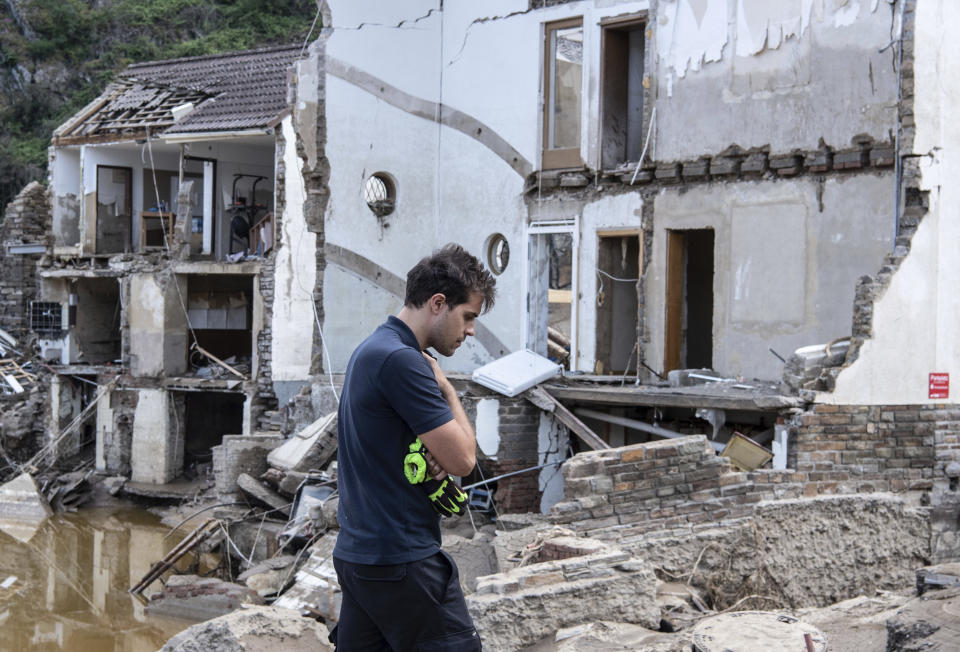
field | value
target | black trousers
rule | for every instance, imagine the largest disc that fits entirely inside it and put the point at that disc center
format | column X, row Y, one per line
column 416, row 606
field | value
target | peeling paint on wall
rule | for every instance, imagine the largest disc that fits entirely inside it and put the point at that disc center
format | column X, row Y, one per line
column 691, row 33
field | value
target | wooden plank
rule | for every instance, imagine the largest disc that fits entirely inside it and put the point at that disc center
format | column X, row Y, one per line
column 649, row 398
column 543, row 400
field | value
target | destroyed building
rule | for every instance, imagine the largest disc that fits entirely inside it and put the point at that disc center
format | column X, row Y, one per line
column 661, row 186
column 149, row 290
column 753, row 191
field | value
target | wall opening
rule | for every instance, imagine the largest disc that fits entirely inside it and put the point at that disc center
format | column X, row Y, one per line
column 618, row 271
column 689, row 300
column 622, row 87
column 220, row 310
column 207, row 417
column 114, row 210
column 97, row 326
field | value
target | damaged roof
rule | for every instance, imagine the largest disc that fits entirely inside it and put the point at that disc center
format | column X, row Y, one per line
column 230, row 92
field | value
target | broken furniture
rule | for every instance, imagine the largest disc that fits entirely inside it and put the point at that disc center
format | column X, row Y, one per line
column 156, row 229
column 15, row 378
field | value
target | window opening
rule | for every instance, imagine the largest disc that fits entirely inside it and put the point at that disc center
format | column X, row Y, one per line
column 220, row 310
column 622, row 88
column 97, row 323
column 208, row 416
column 380, row 193
column 46, row 317
column 114, row 211
column 563, row 87
column 498, row 253
column 689, row 310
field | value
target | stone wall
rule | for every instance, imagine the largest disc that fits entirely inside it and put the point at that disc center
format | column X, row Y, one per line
column 26, row 221
column 844, row 448
column 622, row 493
column 679, row 506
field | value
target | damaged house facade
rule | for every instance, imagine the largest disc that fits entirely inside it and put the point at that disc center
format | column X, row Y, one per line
column 151, row 295
column 664, row 186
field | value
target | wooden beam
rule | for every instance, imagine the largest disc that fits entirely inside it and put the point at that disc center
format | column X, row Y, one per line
column 539, row 397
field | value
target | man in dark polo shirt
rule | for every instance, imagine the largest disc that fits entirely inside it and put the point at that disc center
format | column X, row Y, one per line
column 400, row 590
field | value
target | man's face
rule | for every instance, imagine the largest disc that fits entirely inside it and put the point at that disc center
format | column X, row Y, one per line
column 453, row 325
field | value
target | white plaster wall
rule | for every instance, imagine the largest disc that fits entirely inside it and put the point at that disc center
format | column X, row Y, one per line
column 353, row 307
column 153, row 450
column 145, row 314
column 914, row 323
column 784, row 271
column 450, row 186
column 777, row 74
column 394, row 41
column 479, row 195
column 295, row 273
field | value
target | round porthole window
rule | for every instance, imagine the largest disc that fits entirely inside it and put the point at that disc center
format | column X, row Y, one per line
column 498, row 253
column 380, row 193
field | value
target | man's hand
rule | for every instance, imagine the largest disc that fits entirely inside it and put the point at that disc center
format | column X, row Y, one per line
column 434, row 470
column 445, row 386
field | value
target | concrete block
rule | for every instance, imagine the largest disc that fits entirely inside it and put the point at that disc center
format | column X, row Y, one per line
column 607, row 585
column 309, row 449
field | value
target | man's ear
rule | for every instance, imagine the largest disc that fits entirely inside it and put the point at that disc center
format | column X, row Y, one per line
column 436, row 302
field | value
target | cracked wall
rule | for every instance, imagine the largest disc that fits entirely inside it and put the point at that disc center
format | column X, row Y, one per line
column 914, row 300
column 773, row 74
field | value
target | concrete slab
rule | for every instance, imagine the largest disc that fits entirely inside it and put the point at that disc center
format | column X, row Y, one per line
column 21, row 500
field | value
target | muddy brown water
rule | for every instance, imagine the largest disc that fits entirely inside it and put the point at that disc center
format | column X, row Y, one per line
column 72, row 576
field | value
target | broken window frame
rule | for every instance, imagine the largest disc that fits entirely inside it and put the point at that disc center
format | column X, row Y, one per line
column 554, row 158
column 612, row 155
column 532, row 334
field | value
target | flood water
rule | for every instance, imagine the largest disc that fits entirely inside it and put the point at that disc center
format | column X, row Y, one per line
column 72, row 576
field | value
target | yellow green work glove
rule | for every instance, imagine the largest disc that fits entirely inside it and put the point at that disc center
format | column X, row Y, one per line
column 445, row 496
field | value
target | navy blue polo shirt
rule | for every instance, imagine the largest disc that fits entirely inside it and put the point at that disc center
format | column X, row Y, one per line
column 390, row 395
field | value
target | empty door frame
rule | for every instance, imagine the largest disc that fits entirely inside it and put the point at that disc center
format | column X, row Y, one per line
column 604, row 336
column 534, row 288
column 676, row 354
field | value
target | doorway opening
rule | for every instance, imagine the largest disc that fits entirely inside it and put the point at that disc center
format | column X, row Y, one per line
column 618, row 272
column 207, row 417
column 114, row 211
column 689, row 300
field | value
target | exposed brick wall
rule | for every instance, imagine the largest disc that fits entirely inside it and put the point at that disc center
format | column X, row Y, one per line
column 679, row 484
column 26, row 221
column 846, row 448
column 519, row 427
column 622, row 493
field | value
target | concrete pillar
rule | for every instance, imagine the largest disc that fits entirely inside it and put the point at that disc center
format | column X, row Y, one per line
column 157, row 449
column 158, row 325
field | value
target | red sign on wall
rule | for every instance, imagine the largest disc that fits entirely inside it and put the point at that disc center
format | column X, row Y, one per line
column 939, row 385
